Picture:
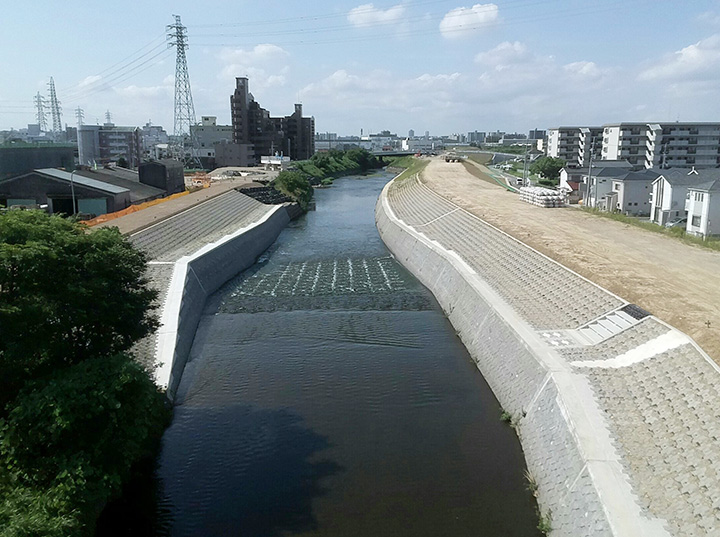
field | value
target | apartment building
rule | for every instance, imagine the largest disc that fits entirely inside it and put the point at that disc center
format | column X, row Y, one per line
column 208, row 133
column 663, row 145
column 102, row 144
column 575, row 144
column 258, row 134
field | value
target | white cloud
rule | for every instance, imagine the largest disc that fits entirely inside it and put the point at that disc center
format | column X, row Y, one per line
column 584, row 68
column 145, row 92
column 368, row 15
column 504, row 54
column 463, row 21
column 710, row 17
column 382, row 90
column 89, row 80
column 694, row 62
column 266, row 65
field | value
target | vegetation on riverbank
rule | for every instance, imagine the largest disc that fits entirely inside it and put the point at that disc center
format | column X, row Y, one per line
column 296, row 186
column 76, row 411
column 322, row 168
column 336, row 163
column 712, row 243
column 411, row 164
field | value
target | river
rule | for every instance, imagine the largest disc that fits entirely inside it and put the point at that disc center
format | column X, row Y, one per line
column 327, row 395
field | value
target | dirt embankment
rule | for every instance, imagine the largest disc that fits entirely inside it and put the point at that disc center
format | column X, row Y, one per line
column 677, row 282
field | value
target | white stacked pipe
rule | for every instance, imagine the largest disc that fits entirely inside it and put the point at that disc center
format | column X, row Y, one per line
column 542, row 197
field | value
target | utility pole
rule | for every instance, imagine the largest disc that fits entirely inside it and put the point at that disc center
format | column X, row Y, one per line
column 41, row 113
column 184, row 108
column 55, row 109
column 592, row 154
column 526, row 167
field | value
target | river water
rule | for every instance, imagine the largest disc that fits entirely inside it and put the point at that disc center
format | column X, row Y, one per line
column 327, row 395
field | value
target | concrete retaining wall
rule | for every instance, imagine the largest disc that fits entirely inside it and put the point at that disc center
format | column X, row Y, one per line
column 570, row 467
column 195, row 278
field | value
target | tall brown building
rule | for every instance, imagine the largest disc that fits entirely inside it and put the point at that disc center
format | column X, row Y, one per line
column 292, row 136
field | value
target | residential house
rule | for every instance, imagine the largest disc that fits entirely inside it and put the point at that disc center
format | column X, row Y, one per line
column 704, row 209
column 576, row 184
column 670, row 192
column 629, row 193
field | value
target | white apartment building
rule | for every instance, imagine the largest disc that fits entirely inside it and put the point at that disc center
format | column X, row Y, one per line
column 574, row 144
column 663, row 145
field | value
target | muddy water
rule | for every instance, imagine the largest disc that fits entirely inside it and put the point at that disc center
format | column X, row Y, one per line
column 327, row 395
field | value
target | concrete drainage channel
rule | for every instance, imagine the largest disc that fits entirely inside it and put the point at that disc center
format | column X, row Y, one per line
column 589, row 480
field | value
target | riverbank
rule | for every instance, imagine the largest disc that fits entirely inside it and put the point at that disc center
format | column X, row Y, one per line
column 557, row 350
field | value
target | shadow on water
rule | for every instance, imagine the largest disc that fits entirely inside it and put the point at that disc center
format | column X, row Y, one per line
column 267, row 498
column 265, row 472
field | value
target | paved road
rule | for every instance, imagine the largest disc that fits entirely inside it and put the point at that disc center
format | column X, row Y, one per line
column 676, row 282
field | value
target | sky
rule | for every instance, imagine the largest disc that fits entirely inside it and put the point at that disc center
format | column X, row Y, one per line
column 443, row 66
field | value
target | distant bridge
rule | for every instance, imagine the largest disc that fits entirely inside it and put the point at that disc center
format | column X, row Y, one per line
column 394, row 153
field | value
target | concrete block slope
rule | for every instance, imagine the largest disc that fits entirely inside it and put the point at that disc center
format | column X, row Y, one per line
column 192, row 254
column 617, row 413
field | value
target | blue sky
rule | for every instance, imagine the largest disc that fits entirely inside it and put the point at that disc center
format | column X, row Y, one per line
column 439, row 65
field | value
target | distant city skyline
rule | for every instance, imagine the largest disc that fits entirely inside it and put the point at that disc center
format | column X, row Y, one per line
column 435, row 65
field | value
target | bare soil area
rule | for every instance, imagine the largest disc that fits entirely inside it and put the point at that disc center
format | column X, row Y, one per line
column 676, row 282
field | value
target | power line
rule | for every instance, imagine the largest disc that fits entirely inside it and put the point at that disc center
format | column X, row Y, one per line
column 120, row 77
column 119, row 72
column 521, row 17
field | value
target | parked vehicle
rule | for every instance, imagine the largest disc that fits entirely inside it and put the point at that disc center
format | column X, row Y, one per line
column 676, row 222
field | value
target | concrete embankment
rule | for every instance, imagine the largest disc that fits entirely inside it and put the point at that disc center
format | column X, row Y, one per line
column 192, row 254
column 199, row 275
column 584, row 374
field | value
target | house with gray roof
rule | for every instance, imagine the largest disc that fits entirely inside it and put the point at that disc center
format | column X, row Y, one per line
column 670, row 192
column 578, row 182
column 628, row 193
column 94, row 192
column 704, row 208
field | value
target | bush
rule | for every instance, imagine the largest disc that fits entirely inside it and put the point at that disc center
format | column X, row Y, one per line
column 296, row 186
column 70, row 439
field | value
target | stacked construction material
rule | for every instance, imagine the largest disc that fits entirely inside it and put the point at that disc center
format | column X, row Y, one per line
column 542, row 197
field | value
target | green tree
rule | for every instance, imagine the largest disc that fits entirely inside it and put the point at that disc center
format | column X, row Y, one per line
column 69, row 440
column 548, row 167
column 66, row 295
column 122, row 162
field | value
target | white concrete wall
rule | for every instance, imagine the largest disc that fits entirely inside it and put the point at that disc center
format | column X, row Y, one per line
column 195, row 278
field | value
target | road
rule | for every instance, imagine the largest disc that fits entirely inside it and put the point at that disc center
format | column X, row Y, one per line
column 677, row 282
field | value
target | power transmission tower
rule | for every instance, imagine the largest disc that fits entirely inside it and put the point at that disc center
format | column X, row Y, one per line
column 108, row 117
column 55, row 109
column 80, row 115
column 41, row 113
column 183, row 137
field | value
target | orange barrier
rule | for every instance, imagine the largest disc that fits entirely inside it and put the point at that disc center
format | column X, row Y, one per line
column 132, row 209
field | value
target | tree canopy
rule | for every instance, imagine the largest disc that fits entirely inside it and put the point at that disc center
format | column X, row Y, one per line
column 76, row 412
column 548, row 167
